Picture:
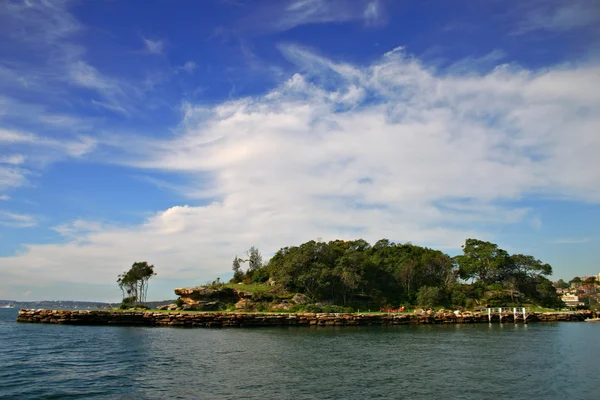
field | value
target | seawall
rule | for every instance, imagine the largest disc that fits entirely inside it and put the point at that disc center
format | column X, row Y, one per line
column 237, row 319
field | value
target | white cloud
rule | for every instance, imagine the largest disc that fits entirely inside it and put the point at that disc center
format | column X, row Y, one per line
column 74, row 147
column 188, row 67
column 15, row 220
column 395, row 149
column 35, row 152
column 47, row 30
column 290, row 14
column 372, row 11
column 15, row 159
column 12, row 177
column 39, row 22
column 4, row 197
column 154, row 46
column 561, row 16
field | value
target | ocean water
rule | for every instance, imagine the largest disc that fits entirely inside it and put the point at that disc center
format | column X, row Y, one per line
column 538, row 361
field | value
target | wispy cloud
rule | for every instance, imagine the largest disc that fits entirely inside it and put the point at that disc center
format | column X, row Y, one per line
column 289, row 14
column 4, row 197
column 57, row 66
column 72, row 147
column 571, row 240
column 12, row 177
column 560, row 16
column 372, row 11
column 35, row 152
column 14, row 220
column 188, row 67
column 154, row 46
column 14, row 159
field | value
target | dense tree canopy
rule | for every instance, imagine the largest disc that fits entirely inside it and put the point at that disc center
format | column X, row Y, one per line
column 386, row 273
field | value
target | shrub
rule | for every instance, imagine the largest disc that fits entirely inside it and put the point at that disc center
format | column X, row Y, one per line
column 262, row 296
column 297, row 308
column 313, row 308
column 179, row 302
column 337, row 309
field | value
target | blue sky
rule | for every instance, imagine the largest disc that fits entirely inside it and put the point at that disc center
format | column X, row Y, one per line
column 184, row 133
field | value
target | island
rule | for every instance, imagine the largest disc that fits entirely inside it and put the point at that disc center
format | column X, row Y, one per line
column 347, row 283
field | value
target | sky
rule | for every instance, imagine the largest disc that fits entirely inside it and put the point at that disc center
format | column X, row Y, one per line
column 182, row 133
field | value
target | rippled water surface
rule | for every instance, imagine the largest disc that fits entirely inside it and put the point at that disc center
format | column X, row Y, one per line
column 540, row 361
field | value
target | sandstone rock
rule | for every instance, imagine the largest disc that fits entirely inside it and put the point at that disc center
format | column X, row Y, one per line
column 201, row 293
column 172, row 307
column 282, row 307
column 245, row 304
column 164, row 307
column 299, row 298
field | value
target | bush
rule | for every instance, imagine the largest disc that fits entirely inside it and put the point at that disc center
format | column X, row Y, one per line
column 297, row 308
column 337, row 309
column 262, row 296
column 331, row 309
column 179, row 302
column 260, row 276
column 313, row 308
column 127, row 302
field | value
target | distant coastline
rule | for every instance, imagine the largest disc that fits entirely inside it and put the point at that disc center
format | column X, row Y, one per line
column 70, row 305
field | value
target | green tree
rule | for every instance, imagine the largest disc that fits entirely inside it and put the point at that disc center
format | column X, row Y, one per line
column 238, row 274
column 575, row 281
column 546, row 293
column 255, row 260
column 134, row 282
column 529, row 265
column 561, row 284
column 483, row 261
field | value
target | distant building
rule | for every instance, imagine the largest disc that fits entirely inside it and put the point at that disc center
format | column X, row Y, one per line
column 571, row 300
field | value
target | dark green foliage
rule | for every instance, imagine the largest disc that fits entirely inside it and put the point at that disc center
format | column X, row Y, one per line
column 128, row 302
column 255, row 260
column 329, row 309
column 238, row 275
column 263, row 296
column 259, row 276
column 483, row 261
column 560, row 284
column 364, row 276
column 179, row 302
column 429, row 296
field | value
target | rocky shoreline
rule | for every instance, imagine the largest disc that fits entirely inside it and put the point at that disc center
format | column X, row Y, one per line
column 238, row 319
